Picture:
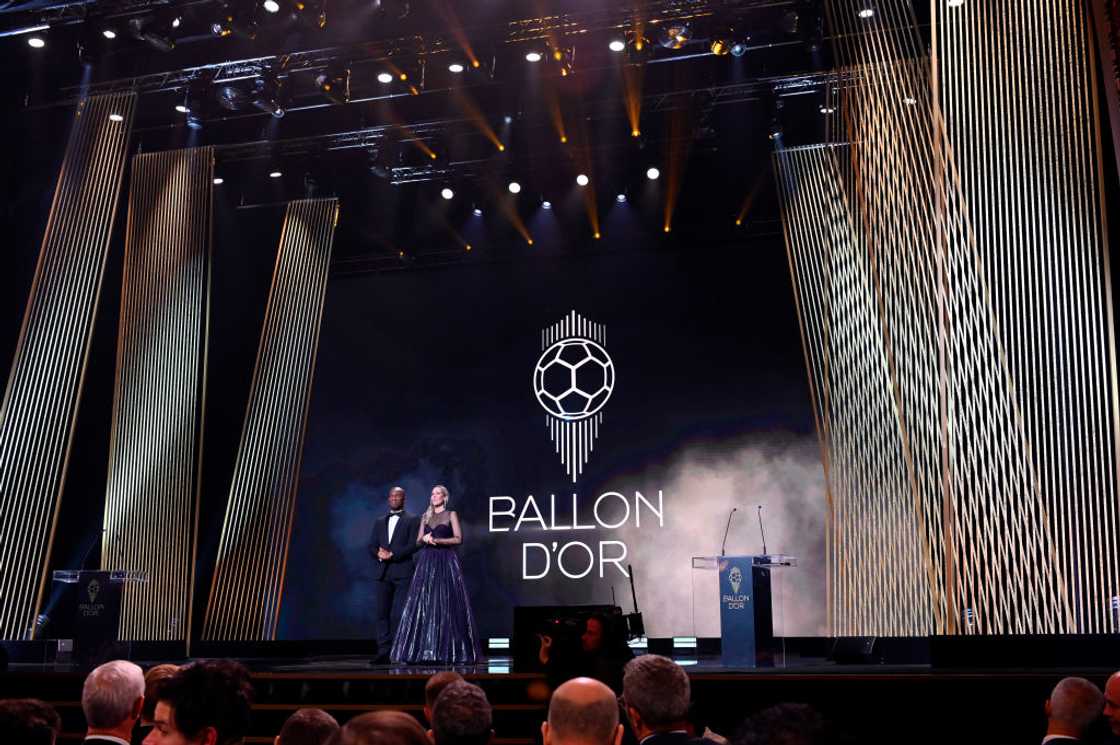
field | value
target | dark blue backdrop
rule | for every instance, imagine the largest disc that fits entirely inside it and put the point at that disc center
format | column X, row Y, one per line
column 424, row 377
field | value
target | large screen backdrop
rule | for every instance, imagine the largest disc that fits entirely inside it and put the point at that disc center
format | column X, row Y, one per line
column 586, row 413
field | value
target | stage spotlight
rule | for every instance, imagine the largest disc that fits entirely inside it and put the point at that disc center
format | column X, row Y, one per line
column 775, row 131
column 266, row 95
column 514, row 187
column 176, row 21
column 533, row 56
column 477, row 211
column 233, row 21
column 828, row 110
column 508, row 119
column 36, row 42
column 384, row 78
column 910, row 101
column 546, row 204
column 617, row 45
column 275, row 174
column 455, row 67
column 218, row 181
column 739, row 47
column 638, row 48
column 116, row 118
column 675, row 34
column 582, row 179
column 194, row 121
column 182, row 108
column 109, row 33
column 722, row 41
column 621, row 198
column 271, row 6
column 447, row 193
column 866, row 12
column 652, row 173
column 335, row 85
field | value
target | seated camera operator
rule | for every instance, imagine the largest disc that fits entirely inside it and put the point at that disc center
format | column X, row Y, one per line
column 599, row 651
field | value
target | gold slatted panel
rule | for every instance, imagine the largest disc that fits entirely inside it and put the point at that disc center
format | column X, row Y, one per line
column 252, row 554
column 41, row 398
column 1016, row 90
column 155, row 451
column 956, row 334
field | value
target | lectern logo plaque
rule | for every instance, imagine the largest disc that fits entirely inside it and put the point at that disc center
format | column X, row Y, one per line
column 735, row 577
column 92, row 589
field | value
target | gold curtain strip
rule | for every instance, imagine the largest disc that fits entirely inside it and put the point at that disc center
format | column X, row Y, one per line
column 248, row 578
column 948, row 272
column 41, row 398
column 155, row 449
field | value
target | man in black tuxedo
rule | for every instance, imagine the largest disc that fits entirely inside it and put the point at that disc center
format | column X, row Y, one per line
column 392, row 545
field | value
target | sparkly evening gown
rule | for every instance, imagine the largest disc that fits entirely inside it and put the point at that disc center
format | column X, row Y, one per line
column 437, row 624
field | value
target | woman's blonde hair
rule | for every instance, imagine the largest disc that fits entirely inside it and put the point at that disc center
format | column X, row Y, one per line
column 446, row 498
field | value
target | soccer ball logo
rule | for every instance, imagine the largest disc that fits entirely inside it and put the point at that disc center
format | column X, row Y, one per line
column 573, row 379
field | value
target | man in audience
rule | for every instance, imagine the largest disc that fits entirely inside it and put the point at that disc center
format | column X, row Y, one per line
column 461, row 715
column 656, row 693
column 1112, row 703
column 583, row 711
column 433, row 688
column 112, row 698
column 381, row 728
column 205, row 703
column 307, row 727
column 28, row 721
column 1073, row 706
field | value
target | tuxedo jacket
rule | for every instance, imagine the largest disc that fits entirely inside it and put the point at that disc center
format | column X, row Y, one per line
column 403, row 546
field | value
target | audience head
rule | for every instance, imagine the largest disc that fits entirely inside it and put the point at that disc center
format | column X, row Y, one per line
column 205, row 703
column 594, row 633
column 1112, row 703
column 461, row 716
column 656, row 693
column 28, row 721
column 1073, row 706
column 434, row 687
column 381, row 728
column 785, row 724
column 112, row 698
column 307, row 727
column 153, row 683
column 583, row 711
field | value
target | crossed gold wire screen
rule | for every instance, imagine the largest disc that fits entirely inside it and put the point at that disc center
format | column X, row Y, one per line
column 951, row 273
column 41, row 398
column 252, row 554
column 155, row 450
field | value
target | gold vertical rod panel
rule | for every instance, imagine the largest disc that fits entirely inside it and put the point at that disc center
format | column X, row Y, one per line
column 247, row 587
column 38, row 413
column 155, row 448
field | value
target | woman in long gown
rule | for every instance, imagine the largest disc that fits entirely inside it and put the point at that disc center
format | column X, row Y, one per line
column 437, row 623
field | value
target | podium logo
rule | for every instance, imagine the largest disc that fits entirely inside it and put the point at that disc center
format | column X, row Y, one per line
column 92, row 589
column 735, row 577
column 573, row 379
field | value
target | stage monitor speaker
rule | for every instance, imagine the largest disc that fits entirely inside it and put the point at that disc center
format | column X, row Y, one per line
column 854, row 650
column 566, row 623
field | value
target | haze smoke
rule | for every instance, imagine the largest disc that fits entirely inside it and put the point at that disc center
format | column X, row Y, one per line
column 701, row 486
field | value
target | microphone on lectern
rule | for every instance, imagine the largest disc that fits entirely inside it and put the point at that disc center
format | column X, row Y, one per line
column 723, row 548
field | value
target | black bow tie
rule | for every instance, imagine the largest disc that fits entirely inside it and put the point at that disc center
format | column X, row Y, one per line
column 397, row 514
